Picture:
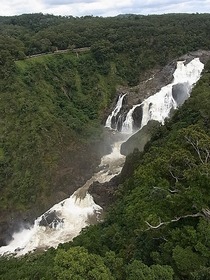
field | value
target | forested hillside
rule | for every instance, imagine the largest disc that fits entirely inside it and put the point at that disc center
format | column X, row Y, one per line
column 159, row 226
column 134, row 42
column 52, row 107
column 50, row 98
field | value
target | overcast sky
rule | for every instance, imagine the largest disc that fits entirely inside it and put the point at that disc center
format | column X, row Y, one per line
column 102, row 7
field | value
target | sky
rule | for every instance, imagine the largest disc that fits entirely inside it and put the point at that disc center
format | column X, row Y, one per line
column 102, row 7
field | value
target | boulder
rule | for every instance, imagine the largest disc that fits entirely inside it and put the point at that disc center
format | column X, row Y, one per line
column 139, row 139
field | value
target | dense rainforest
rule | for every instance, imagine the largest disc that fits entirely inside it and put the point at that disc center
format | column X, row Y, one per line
column 52, row 107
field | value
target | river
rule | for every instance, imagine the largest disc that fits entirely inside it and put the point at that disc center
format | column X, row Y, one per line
column 64, row 220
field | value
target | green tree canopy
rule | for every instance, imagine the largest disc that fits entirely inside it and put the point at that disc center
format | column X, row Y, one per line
column 78, row 264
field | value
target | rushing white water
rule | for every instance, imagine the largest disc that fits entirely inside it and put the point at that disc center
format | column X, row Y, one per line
column 112, row 162
column 72, row 214
column 158, row 106
column 127, row 126
column 115, row 111
column 65, row 220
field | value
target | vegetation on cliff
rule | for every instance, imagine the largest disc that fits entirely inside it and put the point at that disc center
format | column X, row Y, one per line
column 50, row 101
column 162, row 214
column 159, row 226
column 135, row 43
column 50, row 106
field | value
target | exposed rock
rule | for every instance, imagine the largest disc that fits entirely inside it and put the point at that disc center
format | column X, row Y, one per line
column 139, row 139
column 103, row 194
column 180, row 93
column 202, row 54
column 13, row 222
column 135, row 95
column 151, row 82
column 50, row 219
column 137, row 117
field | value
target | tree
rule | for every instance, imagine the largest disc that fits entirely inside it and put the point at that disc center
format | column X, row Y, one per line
column 78, row 264
column 186, row 260
column 101, row 50
column 139, row 271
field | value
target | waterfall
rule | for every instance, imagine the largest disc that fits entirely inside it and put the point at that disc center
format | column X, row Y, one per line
column 158, row 106
column 127, row 126
column 114, row 113
column 65, row 220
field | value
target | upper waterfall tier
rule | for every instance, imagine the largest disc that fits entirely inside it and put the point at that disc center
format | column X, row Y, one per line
column 158, row 106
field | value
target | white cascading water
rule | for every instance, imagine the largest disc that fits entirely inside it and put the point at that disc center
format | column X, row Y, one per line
column 76, row 212
column 116, row 110
column 127, row 126
column 73, row 213
column 158, row 106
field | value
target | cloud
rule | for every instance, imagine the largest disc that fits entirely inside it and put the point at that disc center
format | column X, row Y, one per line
column 103, row 7
column 173, row 6
column 68, row 2
column 100, row 7
column 16, row 7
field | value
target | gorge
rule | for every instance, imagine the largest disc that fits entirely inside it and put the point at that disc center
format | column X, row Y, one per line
column 104, row 158
column 65, row 220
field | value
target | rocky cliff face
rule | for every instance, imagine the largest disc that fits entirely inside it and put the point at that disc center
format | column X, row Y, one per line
column 139, row 139
column 152, row 82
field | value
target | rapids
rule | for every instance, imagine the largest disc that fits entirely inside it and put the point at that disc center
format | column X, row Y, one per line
column 65, row 220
